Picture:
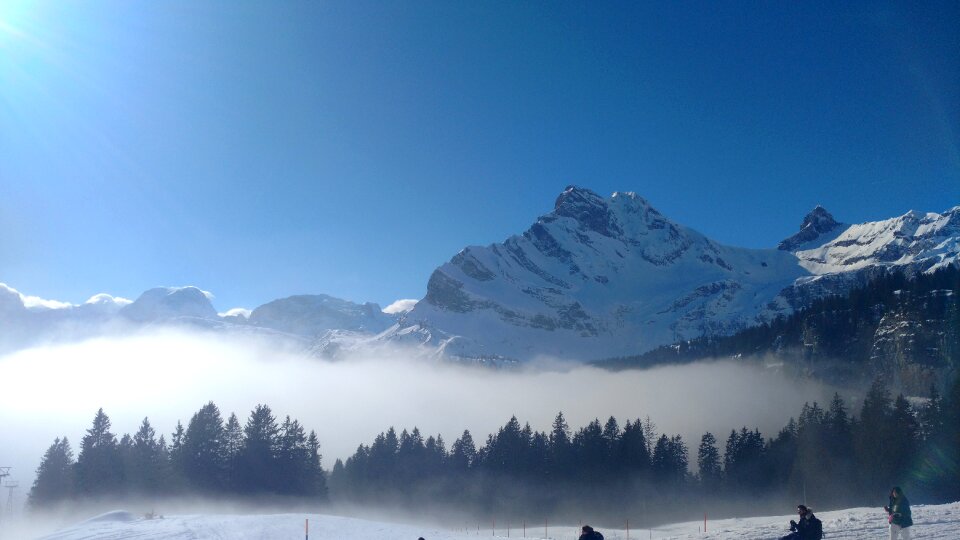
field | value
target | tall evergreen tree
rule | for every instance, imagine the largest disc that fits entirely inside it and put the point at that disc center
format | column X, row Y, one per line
column 904, row 439
column 148, row 473
column 708, row 462
column 258, row 459
column 55, row 480
column 232, row 446
column 177, row 476
column 633, row 457
column 317, row 485
column 463, row 453
column 99, row 469
column 873, row 448
column 294, row 474
column 204, row 454
column 561, row 448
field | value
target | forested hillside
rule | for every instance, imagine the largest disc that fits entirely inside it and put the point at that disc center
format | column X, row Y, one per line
column 903, row 329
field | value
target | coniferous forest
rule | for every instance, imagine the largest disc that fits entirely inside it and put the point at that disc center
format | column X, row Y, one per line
column 905, row 328
column 828, row 456
column 209, row 457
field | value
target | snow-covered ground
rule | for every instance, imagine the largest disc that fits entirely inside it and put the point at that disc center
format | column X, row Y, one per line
column 932, row 522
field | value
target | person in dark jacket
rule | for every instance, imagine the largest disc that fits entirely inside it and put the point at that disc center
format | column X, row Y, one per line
column 898, row 513
column 587, row 533
column 808, row 528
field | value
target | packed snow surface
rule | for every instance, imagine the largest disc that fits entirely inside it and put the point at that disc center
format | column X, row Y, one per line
column 932, row 522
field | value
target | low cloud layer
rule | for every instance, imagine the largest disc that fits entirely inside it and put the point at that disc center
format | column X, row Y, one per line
column 168, row 375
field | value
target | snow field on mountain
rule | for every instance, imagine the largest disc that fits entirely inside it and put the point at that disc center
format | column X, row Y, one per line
column 932, row 522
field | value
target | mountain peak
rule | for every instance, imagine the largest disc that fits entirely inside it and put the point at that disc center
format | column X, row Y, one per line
column 815, row 224
column 589, row 209
column 820, row 219
column 170, row 302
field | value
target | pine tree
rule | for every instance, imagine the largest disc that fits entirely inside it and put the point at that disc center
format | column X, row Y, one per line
column 670, row 460
column 838, row 463
column 904, row 438
column 258, row 459
column 649, row 434
column 590, row 450
column 561, row 448
column 204, row 455
column 128, row 466
column 148, row 471
column 232, row 447
column 98, row 466
column 177, row 477
column 317, row 486
column 55, row 481
column 708, row 462
column 873, row 448
column 463, row 452
column 294, row 475
column 632, row 456
column 339, row 484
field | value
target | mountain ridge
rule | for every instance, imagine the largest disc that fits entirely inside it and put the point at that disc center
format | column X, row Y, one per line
column 596, row 277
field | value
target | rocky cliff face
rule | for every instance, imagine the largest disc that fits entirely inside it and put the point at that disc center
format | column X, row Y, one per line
column 918, row 344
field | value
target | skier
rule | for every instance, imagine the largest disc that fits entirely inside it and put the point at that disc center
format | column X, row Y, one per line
column 587, row 533
column 898, row 514
column 809, row 527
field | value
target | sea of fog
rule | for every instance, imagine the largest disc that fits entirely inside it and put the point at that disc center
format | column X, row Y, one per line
column 167, row 375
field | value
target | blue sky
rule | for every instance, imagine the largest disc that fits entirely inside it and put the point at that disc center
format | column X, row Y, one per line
column 262, row 149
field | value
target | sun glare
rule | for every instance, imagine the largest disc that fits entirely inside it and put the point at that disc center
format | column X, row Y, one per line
column 12, row 12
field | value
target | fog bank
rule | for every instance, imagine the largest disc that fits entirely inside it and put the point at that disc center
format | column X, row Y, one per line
column 167, row 375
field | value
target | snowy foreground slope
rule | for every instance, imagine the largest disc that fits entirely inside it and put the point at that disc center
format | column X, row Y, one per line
column 932, row 521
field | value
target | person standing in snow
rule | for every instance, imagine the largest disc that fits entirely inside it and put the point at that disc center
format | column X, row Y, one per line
column 809, row 527
column 587, row 533
column 898, row 513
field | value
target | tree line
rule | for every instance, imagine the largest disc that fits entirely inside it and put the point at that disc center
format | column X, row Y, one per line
column 826, row 456
column 208, row 457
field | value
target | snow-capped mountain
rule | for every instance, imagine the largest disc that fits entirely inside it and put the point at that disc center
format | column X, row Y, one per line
column 28, row 320
column 170, row 302
column 314, row 315
column 595, row 278
column 603, row 277
column 918, row 241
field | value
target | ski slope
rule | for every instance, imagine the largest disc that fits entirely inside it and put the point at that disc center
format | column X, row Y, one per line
column 932, row 522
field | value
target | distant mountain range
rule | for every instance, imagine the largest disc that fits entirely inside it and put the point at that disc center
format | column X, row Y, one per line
column 595, row 278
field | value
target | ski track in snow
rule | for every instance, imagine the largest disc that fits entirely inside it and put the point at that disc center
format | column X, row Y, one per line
column 932, row 522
